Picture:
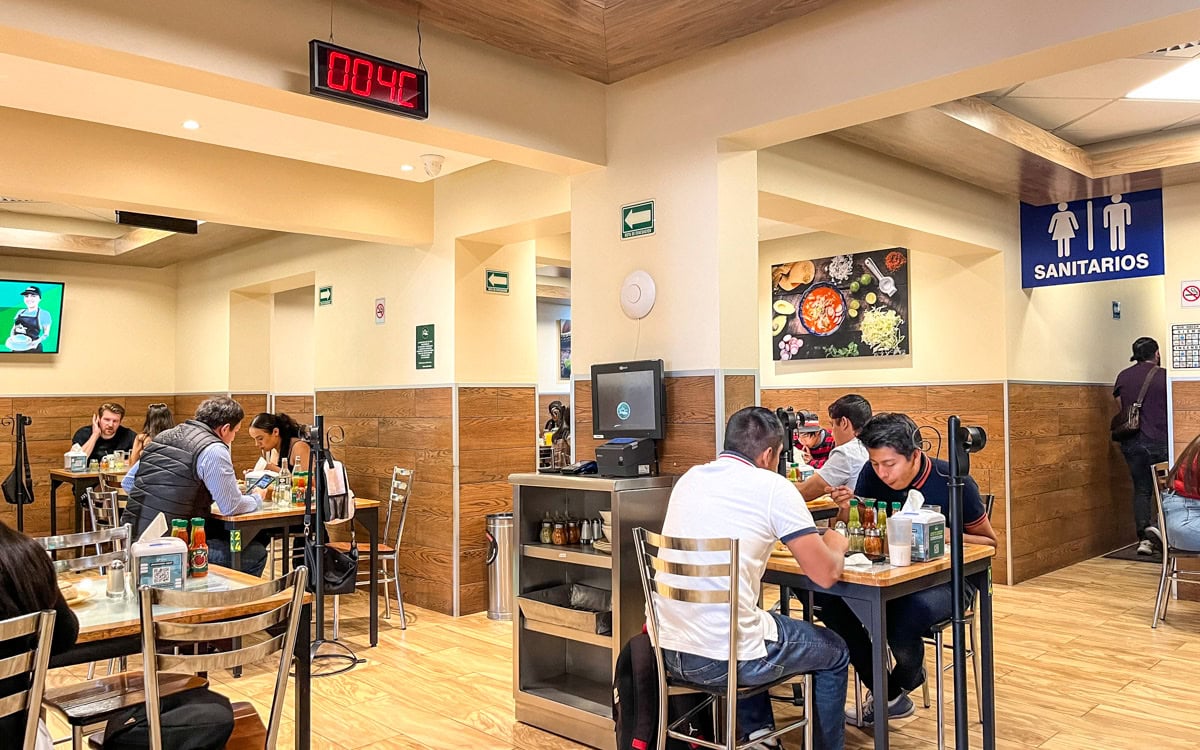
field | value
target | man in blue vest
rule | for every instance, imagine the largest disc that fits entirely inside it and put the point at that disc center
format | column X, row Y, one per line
column 186, row 469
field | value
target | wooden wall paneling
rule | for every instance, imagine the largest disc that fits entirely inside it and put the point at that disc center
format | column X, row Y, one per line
column 581, row 436
column 245, row 453
column 299, row 408
column 1071, row 493
column 498, row 428
column 739, row 394
column 382, row 429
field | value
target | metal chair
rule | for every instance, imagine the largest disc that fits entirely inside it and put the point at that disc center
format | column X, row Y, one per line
column 389, row 554
column 117, row 539
column 249, row 730
column 104, row 508
column 679, row 585
column 33, row 633
column 1170, row 554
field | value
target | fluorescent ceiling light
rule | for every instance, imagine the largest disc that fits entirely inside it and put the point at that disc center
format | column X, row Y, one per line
column 191, row 125
column 406, row 167
column 1181, row 85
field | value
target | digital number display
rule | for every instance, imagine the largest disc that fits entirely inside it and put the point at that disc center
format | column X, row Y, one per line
column 343, row 74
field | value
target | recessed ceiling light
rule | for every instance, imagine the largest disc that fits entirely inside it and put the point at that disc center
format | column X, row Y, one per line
column 1181, row 84
column 191, row 125
column 406, row 167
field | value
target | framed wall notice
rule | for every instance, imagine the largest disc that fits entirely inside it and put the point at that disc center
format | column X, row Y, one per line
column 841, row 306
column 1185, row 346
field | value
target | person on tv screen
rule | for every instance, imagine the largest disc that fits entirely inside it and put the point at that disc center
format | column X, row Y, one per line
column 33, row 321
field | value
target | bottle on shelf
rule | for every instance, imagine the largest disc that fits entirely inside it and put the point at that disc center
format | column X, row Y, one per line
column 198, row 552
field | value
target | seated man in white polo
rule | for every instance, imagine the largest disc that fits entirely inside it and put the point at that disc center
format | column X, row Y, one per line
column 740, row 496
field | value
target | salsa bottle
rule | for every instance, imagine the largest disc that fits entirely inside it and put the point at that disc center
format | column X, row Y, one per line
column 179, row 528
column 855, row 527
column 198, row 554
column 881, row 524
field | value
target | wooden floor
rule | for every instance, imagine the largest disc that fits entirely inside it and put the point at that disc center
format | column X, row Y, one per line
column 1078, row 667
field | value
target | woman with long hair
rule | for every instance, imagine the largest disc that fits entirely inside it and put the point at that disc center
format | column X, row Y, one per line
column 278, row 437
column 1181, row 500
column 28, row 584
column 158, row 418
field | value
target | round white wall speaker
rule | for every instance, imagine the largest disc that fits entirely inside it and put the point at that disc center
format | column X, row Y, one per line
column 637, row 295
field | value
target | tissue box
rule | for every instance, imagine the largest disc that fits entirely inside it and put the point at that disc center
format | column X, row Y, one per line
column 928, row 534
column 75, row 461
column 160, row 563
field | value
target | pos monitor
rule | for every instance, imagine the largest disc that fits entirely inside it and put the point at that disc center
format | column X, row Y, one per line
column 628, row 408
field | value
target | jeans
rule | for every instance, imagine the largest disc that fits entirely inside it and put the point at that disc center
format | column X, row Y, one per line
column 1183, row 521
column 254, row 555
column 1141, row 454
column 802, row 648
column 909, row 618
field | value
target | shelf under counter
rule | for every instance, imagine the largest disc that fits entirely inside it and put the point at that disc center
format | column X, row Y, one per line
column 581, row 636
column 576, row 554
column 575, row 691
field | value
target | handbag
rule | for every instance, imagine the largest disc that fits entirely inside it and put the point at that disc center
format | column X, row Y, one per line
column 339, row 570
column 1128, row 422
column 11, row 485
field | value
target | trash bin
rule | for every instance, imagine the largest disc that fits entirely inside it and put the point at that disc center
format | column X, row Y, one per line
column 500, row 565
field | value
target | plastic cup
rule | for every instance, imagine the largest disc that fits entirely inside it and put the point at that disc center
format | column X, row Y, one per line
column 899, row 531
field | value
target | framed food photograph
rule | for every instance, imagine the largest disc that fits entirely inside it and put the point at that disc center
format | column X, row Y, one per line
column 853, row 305
column 564, row 349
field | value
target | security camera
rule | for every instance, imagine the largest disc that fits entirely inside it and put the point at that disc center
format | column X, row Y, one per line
column 433, row 164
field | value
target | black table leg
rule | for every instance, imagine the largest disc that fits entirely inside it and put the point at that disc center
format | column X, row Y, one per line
column 873, row 615
column 75, row 493
column 54, row 483
column 373, row 530
column 785, row 601
column 303, row 728
column 987, row 711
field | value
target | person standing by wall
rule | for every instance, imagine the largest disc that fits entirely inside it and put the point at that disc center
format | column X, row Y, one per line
column 1149, row 445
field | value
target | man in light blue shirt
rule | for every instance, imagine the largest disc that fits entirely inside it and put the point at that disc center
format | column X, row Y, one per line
column 188, row 468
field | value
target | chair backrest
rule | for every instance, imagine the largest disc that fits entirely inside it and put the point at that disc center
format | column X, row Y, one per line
column 713, row 581
column 398, row 504
column 1161, row 472
column 34, row 631
column 110, row 482
column 286, row 612
column 103, row 508
column 116, row 540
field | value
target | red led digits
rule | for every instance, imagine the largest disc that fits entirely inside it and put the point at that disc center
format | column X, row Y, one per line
column 408, row 90
column 338, row 79
column 364, row 74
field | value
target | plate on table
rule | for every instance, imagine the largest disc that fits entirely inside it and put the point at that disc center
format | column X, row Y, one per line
column 602, row 545
column 75, row 592
column 19, row 343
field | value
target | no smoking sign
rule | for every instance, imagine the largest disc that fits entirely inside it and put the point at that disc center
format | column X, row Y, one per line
column 380, row 311
column 1189, row 294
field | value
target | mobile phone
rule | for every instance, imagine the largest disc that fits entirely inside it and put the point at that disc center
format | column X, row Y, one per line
column 264, row 482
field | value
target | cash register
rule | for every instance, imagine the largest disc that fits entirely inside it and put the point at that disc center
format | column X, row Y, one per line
column 628, row 409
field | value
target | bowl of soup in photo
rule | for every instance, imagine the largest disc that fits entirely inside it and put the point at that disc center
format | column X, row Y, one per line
column 822, row 309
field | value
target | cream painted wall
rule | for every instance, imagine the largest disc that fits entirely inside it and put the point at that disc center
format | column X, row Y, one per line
column 293, row 348
column 353, row 351
column 495, row 335
column 118, row 331
column 956, row 316
column 249, row 342
column 548, row 315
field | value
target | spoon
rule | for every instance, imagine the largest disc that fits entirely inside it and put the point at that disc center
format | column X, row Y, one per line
column 887, row 285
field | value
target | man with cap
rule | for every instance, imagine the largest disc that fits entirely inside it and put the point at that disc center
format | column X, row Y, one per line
column 1149, row 445
column 814, row 441
column 33, row 321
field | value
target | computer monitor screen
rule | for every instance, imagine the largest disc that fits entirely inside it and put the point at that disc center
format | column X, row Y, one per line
column 627, row 400
column 30, row 316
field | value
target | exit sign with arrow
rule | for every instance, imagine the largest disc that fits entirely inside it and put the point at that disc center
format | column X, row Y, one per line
column 637, row 219
column 496, row 281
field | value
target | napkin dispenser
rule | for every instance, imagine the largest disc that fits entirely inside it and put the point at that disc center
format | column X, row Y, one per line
column 75, row 459
column 928, row 528
column 159, row 561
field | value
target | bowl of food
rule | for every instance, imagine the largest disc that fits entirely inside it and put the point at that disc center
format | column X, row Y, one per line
column 19, row 342
column 822, row 309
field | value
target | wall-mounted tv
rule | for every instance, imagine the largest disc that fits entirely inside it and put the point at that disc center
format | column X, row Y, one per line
column 30, row 316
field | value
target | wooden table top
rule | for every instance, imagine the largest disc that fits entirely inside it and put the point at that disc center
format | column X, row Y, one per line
column 73, row 475
column 296, row 511
column 101, row 618
column 884, row 574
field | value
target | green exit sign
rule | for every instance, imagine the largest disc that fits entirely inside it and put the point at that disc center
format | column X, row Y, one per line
column 637, row 219
column 325, row 295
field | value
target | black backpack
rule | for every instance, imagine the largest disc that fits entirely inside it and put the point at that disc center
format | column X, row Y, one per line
column 635, row 701
column 193, row 720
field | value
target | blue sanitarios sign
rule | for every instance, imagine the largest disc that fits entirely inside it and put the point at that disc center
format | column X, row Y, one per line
column 1098, row 239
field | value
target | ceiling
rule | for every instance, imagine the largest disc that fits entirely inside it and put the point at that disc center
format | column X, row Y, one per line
column 1067, row 137
column 1088, row 105
column 33, row 229
column 605, row 40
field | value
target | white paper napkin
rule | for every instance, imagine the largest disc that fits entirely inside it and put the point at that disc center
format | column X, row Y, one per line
column 858, row 560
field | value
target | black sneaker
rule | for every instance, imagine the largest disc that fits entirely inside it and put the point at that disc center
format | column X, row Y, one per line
column 898, row 708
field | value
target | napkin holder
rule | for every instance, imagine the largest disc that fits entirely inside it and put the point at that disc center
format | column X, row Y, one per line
column 159, row 561
column 75, row 460
column 928, row 528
